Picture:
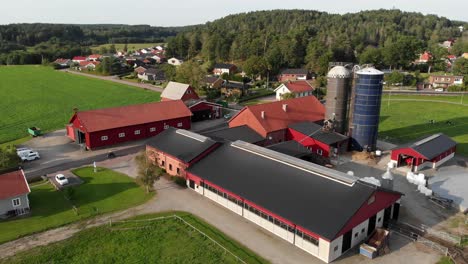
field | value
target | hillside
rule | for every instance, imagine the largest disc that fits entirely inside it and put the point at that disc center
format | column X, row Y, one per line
column 291, row 38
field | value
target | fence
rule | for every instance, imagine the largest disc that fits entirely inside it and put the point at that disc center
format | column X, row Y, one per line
column 443, row 235
column 179, row 219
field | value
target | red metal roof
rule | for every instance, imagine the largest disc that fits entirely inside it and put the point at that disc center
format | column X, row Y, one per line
column 79, row 58
column 13, row 184
column 108, row 118
column 300, row 109
column 299, row 86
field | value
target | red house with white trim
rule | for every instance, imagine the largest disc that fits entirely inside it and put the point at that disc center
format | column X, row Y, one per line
column 322, row 211
column 313, row 136
column 177, row 149
column 429, row 152
column 110, row 126
column 271, row 120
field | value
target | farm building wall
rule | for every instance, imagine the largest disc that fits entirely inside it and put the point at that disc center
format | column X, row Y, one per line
column 215, row 109
column 314, row 145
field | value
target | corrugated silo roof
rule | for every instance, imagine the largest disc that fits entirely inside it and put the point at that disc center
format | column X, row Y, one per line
column 339, row 72
column 370, row 71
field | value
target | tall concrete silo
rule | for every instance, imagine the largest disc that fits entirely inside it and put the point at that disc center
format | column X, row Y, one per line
column 366, row 108
column 337, row 99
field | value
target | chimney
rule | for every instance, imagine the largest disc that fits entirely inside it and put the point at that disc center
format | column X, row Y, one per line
column 263, row 114
column 285, row 107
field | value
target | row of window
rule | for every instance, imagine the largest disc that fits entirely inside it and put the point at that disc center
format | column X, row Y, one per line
column 263, row 215
column 138, row 132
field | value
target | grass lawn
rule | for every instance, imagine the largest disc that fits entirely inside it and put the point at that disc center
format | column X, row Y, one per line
column 39, row 96
column 161, row 241
column 130, row 46
column 403, row 121
column 102, row 192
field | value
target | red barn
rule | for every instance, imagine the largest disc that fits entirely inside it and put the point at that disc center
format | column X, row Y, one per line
column 430, row 152
column 179, row 91
column 312, row 136
column 271, row 120
column 203, row 110
column 109, row 126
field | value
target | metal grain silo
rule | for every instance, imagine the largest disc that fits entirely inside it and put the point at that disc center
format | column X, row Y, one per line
column 337, row 99
column 366, row 108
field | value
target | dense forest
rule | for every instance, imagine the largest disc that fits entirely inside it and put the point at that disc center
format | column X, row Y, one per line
column 294, row 38
column 30, row 43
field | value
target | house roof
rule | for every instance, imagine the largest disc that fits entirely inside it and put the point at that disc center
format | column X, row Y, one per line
column 315, row 131
column 430, row 146
column 174, row 90
column 210, row 79
column 78, row 58
column 86, row 63
column 181, row 144
column 61, row 60
column 94, row 56
column 234, row 85
column 223, row 66
column 243, row 133
column 301, row 109
column 295, row 71
column 298, row 86
column 108, row 118
column 13, row 184
column 286, row 186
column 290, row 148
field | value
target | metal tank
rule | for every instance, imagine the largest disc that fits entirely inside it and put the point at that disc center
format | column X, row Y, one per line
column 366, row 109
column 337, row 99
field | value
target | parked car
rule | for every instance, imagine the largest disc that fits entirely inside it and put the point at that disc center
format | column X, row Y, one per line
column 439, row 89
column 61, row 179
column 23, row 152
column 33, row 155
column 227, row 116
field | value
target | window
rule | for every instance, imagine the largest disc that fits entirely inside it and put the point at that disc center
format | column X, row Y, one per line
column 166, row 126
column 162, row 163
column 137, row 132
column 16, row 202
column 320, row 152
column 189, row 91
column 152, row 129
column 335, row 249
column 380, row 219
column 121, row 135
column 170, row 166
column 178, row 170
column 104, row 138
column 355, row 235
column 179, row 124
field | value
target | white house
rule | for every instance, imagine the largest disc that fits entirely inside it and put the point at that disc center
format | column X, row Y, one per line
column 298, row 88
column 175, row 61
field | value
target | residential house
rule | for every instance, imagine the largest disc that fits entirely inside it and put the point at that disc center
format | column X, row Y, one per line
column 63, row 62
column 424, row 58
column 140, row 70
column 14, row 190
column 179, row 91
column 297, row 88
column 152, row 74
column 89, row 65
column 94, row 57
column 271, row 120
column 465, row 55
column 444, row 81
column 229, row 88
column 175, row 150
column 293, row 75
column 159, row 58
column 221, row 68
column 104, row 127
column 175, row 61
column 78, row 59
column 212, row 82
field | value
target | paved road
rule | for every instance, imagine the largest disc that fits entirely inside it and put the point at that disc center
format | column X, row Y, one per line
column 117, row 80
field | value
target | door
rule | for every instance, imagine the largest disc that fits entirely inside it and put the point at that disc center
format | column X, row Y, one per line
column 191, row 184
column 346, row 241
column 387, row 216
column 371, row 225
column 396, row 211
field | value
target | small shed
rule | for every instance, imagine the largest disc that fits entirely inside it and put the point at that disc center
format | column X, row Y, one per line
column 430, row 151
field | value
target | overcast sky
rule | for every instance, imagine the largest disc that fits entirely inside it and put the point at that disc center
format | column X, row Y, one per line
column 186, row 12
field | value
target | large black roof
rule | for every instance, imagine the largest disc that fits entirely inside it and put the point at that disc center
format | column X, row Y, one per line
column 431, row 146
column 180, row 143
column 315, row 131
column 243, row 133
column 291, row 148
column 321, row 200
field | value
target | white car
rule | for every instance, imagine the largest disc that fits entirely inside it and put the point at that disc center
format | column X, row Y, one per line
column 61, row 179
column 22, row 152
column 439, row 89
column 33, row 155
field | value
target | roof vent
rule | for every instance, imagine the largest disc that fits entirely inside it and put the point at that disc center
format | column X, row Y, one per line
column 285, row 107
column 191, row 135
column 263, row 114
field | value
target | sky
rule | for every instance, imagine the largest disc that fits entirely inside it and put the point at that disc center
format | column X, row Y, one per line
column 186, row 12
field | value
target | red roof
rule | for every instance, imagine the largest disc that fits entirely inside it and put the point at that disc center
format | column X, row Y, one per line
column 13, row 184
column 426, row 56
column 79, row 58
column 94, row 56
column 451, row 57
column 108, row 118
column 299, row 86
column 61, row 60
column 300, row 109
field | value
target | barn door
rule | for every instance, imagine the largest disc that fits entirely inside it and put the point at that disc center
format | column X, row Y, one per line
column 346, row 241
column 371, row 224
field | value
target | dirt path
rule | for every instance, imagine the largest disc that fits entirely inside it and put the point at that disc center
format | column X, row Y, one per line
column 117, row 80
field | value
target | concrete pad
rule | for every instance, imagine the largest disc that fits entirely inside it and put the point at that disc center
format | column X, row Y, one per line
column 451, row 182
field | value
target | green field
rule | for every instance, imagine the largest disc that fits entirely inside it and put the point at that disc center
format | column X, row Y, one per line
column 158, row 241
column 101, row 192
column 403, row 121
column 39, row 96
column 130, row 46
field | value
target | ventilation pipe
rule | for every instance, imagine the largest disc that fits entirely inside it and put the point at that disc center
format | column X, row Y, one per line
column 263, row 114
column 285, row 107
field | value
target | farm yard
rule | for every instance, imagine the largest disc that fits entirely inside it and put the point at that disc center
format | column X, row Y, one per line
column 407, row 118
column 39, row 96
column 154, row 241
